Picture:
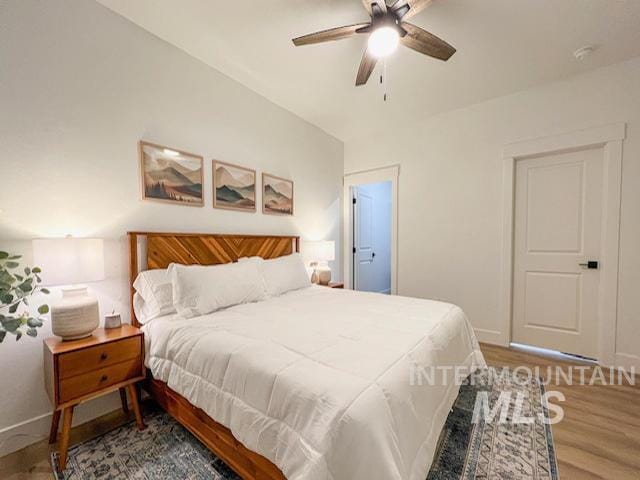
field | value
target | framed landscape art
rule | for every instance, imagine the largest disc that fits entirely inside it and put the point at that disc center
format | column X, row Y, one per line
column 171, row 176
column 234, row 187
column 277, row 195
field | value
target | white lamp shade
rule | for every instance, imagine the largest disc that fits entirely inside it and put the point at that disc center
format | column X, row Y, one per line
column 66, row 261
column 319, row 251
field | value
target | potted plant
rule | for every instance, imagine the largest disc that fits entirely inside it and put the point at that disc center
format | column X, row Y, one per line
column 17, row 286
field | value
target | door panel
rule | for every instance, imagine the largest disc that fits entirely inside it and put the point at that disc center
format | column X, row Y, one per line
column 554, row 214
column 372, row 237
column 561, row 291
column 558, row 210
column 364, row 241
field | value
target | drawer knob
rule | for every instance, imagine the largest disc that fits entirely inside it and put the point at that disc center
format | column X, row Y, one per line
column 103, row 378
column 103, row 356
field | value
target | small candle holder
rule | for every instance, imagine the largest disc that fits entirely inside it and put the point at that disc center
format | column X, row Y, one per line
column 112, row 320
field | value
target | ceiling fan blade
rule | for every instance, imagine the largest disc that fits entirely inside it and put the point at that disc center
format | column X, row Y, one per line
column 406, row 9
column 427, row 43
column 367, row 64
column 337, row 33
column 368, row 5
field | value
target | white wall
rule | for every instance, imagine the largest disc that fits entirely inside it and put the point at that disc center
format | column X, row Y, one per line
column 79, row 86
column 450, row 187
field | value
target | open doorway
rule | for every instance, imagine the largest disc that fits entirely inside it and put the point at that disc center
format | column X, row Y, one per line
column 371, row 251
column 370, row 230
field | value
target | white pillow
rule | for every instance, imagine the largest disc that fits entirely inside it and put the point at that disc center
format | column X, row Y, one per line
column 283, row 274
column 155, row 295
column 141, row 309
column 198, row 289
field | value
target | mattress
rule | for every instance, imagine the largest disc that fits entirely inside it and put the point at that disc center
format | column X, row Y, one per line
column 319, row 380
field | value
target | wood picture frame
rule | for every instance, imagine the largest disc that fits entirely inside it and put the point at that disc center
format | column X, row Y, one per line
column 234, row 187
column 169, row 175
column 278, row 200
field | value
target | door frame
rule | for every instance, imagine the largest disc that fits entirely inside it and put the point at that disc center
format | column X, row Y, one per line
column 610, row 138
column 384, row 174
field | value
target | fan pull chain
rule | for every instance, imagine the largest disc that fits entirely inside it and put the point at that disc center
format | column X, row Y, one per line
column 384, row 82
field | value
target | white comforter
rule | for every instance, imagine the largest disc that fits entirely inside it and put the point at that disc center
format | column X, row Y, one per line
column 318, row 380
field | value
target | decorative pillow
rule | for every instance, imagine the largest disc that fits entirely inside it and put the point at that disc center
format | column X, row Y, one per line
column 198, row 289
column 283, row 274
column 155, row 295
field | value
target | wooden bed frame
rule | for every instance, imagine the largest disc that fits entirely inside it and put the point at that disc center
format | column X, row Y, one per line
column 206, row 249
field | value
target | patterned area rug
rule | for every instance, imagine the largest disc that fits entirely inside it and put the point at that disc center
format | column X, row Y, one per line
column 487, row 450
column 495, row 450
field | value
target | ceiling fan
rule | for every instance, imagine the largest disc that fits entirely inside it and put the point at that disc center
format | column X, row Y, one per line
column 386, row 30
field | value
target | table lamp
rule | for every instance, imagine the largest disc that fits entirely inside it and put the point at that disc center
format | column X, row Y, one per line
column 319, row 253
column 71, row 262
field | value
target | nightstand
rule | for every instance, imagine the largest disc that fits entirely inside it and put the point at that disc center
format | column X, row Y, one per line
column 79, row 370
column 335, row 285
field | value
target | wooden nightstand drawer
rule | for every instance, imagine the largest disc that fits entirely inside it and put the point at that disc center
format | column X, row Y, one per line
column 96, row 380
column 92, row 358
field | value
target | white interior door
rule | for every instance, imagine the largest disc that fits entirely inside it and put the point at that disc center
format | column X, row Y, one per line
column 558, row 217
column 372, row 237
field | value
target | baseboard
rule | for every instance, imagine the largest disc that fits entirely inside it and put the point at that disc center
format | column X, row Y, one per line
column 25, row 433
column 627, row 360
column 492, row 337
column 22, row 434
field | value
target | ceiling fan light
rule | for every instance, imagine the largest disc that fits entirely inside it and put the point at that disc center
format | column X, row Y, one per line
column 383, row 41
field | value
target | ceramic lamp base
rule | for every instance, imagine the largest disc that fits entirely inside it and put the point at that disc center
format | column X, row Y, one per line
column 76, row 315
column 322, row 275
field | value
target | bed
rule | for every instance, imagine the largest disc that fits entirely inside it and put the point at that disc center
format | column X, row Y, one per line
column 312, row 384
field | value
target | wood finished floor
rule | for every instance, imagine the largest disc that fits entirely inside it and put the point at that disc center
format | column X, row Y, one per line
column 599, row 437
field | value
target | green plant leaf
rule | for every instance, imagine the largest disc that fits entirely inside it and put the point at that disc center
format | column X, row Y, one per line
column 34, row 322
column 6, row 277
column 11, row 324
column 15, row 290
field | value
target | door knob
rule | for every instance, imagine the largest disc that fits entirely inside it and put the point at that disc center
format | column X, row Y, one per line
column 590, row 265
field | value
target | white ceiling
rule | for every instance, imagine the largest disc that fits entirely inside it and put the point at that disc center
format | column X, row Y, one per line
column 503, row 46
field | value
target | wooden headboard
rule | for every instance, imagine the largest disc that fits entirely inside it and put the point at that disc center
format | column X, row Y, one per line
column 164, row 248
